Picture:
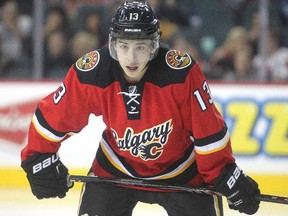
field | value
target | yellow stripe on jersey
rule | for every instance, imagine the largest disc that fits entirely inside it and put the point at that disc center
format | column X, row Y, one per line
column 213, row 147
column 180, row 168
column 113, row 159
column 48, row 135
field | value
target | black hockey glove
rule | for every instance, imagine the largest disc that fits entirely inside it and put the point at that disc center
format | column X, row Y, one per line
column 47, row 175
column 239, row 189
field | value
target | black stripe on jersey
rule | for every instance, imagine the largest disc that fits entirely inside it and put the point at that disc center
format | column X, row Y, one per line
column 171, row 168
column 42, row 121
column 108, row 71
column 184, row 177
column 106, row 165
column 211, row 139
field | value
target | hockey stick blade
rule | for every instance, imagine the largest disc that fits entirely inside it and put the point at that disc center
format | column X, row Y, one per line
column 165, row 186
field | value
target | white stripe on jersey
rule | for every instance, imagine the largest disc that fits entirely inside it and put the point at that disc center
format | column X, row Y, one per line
column 213, row 147
column 117, row 163
column 46, row 133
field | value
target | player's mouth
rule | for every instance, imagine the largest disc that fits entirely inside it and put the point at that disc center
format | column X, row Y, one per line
column 132, row 68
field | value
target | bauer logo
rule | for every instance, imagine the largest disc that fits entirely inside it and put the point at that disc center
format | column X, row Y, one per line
column 15, row 120
column 132, row 30
column 46, row 163
column 233, row 179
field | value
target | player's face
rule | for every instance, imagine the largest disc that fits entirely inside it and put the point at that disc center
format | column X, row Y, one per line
column 133, row 56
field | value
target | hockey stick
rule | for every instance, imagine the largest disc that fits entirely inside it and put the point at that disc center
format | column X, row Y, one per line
column 164, row 186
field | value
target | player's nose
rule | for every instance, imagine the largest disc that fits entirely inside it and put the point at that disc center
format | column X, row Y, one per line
column 132, row 56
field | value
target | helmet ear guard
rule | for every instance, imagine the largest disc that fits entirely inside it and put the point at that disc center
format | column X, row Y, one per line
column 135, row 21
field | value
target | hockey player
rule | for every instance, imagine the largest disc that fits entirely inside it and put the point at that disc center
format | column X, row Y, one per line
column 161, row 125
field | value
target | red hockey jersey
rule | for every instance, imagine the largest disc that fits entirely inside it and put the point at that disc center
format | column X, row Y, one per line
column 166, row 127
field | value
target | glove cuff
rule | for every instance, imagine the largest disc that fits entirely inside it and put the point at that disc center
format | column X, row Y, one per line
column 228, row 179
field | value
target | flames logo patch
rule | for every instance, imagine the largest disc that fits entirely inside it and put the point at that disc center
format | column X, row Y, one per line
column 88, row 61
column 177, row 59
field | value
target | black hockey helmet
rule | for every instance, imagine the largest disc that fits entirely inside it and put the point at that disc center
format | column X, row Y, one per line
column 135, row 20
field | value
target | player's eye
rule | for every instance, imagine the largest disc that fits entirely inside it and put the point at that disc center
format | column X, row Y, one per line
column 123, row 47
column 140, row 48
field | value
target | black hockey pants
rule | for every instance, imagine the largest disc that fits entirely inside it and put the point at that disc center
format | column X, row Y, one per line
column 111, row 200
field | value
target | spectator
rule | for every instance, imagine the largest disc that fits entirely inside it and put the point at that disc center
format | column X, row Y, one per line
column 92, row 24
column 277, row 59
column 283, row 10
column 57, row 19
column 211, row 20
column 57, row 33
column 254, row 31
column 15, row 31
column 73, row 5
column 251, row 21
column 82, row 43
column 232, row 60
column 171, row 18
column 92, row 19
column 183, row 41
column 57, row 58
column 170, row 11
column 282, row 6
column 180, row 42
column 238, row 8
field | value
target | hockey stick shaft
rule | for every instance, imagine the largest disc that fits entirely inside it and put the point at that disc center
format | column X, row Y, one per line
column 164, row 186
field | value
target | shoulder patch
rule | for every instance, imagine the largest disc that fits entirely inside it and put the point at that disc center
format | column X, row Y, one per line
column 89, row 61
column 177, row 59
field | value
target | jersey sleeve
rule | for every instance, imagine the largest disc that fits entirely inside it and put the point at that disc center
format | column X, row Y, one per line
column 210, row 134
column 59, row 115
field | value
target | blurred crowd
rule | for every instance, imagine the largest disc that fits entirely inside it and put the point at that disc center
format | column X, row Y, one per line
column 222, row 35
